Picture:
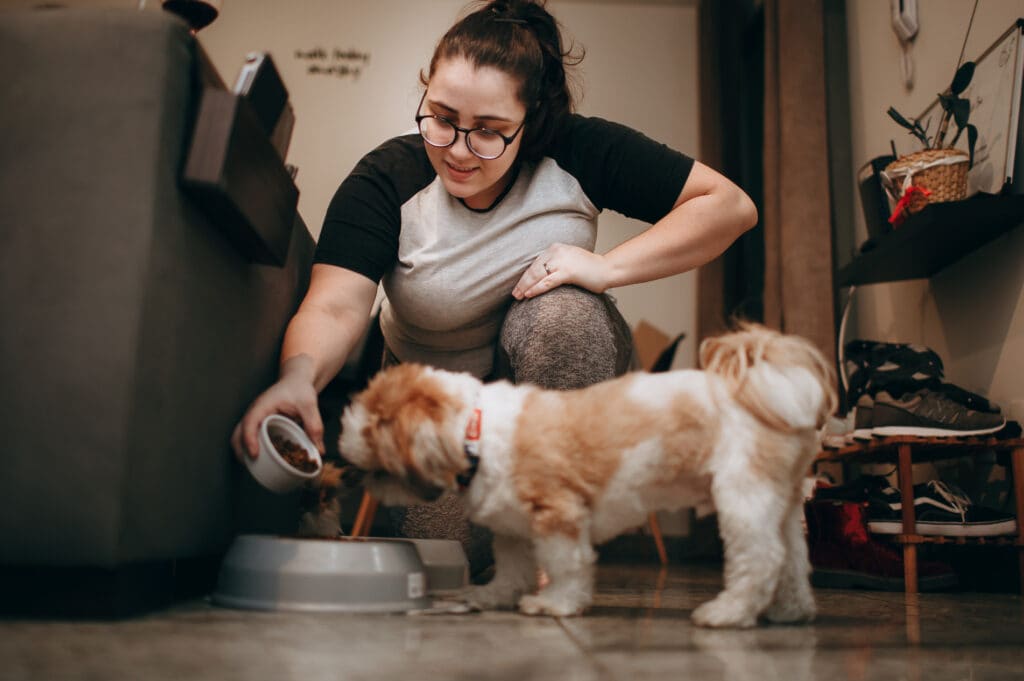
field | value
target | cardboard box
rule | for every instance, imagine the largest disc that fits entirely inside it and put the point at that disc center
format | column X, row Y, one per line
column 654, row 349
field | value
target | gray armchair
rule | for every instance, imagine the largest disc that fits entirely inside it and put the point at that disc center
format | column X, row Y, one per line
column 132, row 332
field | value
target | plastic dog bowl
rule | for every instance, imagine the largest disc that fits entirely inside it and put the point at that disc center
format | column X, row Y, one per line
column 263, row 572
column 270, row 468
column 444, row 561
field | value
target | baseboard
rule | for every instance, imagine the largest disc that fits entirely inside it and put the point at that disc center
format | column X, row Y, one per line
column 104, row 593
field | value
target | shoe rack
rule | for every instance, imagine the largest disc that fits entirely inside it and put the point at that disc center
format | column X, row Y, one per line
column 925, row 244
column 904, row 451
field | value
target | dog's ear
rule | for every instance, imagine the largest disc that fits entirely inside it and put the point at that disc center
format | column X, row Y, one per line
column 319, row 492
column 411, row 422
column 330, row 478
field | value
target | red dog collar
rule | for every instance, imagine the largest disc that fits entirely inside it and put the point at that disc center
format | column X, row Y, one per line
column 471, row 445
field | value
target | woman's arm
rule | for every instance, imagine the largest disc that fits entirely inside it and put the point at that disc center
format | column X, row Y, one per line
column 333, row 316
column 709, row 215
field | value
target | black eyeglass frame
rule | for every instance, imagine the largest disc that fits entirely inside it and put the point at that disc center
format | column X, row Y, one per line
column 465, row 131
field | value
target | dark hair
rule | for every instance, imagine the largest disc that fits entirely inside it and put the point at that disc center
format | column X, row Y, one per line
column 522, row 39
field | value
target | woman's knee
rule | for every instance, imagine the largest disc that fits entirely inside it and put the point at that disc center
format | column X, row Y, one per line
column 566, row 338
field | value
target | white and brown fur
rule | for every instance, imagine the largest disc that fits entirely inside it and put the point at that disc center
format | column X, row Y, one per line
column 562, row 471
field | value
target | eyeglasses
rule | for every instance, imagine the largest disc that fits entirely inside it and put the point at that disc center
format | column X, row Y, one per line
column 438, row 131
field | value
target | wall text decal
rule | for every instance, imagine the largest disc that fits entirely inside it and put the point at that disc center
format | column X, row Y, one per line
column 348, row 63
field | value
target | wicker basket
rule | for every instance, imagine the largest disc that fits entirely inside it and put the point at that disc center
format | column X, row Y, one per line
column 943, row 172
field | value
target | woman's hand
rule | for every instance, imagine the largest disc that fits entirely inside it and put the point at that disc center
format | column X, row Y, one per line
column 293, row 395
column 332, row 318
column 562, row 264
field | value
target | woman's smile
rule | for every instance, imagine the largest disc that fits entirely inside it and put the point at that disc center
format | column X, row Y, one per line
column 473, row 97
column 459, row 173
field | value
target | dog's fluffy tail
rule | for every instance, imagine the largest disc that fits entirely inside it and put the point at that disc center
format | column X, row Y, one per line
column 782, row 380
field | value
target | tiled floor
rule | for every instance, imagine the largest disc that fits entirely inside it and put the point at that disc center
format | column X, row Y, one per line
column 639, row 628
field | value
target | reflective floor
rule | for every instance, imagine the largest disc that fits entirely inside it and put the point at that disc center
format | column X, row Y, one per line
column 639, row 628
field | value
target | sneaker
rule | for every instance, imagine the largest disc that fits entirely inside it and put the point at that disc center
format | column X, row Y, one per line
column 940, row 509
column 967, row 398
column 928, row 413
column 898, row 367
column 844, row 556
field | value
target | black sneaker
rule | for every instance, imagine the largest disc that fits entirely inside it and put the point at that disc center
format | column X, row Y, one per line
column 967, row 398
column 928, row 413
column 897, row 367
column 940, row 509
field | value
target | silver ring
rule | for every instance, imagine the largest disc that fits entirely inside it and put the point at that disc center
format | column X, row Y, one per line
column 547, row 269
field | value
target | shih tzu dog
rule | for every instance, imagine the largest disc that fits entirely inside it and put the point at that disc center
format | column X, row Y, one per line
column 554, row 473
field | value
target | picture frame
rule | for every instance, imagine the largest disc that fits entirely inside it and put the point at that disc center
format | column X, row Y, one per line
column 995, row 95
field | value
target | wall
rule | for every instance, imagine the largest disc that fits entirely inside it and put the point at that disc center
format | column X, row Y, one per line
column 972, row 313
column 640, row 69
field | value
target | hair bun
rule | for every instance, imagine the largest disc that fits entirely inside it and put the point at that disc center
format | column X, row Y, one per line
column 516, row 9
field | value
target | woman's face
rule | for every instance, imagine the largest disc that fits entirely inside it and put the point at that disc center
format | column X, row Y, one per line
column 472, row 97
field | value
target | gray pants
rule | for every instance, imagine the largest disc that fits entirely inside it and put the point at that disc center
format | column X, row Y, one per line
column 566, row 338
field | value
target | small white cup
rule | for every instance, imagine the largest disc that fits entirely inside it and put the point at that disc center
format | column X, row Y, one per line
column 269, row 468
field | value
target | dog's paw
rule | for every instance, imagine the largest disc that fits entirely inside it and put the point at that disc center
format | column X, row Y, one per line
column 790, row 613
column 540, row 604
column 724, row 612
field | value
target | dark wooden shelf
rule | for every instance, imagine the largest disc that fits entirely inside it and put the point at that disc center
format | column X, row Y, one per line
column 925, row 448
column 935, row 238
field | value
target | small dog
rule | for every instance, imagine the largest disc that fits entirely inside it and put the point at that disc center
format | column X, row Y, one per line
column 553, row 473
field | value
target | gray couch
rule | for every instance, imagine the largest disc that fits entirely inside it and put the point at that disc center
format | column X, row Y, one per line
column 132, row 332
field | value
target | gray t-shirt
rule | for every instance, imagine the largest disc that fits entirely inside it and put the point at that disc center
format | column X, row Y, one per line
column 448, row 270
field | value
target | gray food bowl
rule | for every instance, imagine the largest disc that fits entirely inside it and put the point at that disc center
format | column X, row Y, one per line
column 444, row 561
column 263, row 572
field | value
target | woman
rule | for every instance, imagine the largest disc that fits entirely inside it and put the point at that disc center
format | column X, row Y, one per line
column 482, row 228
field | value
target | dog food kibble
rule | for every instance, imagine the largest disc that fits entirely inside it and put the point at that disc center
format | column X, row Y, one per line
column 294, row 454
